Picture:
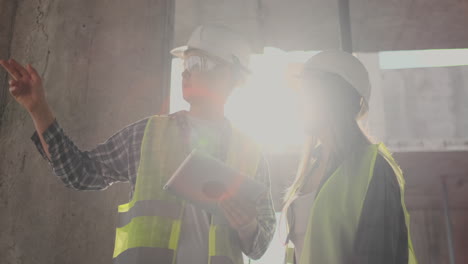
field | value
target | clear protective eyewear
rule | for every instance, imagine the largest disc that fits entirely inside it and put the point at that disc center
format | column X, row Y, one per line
column 197, row 63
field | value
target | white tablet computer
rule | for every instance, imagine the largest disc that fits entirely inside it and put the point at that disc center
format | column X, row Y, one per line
column 204, row 180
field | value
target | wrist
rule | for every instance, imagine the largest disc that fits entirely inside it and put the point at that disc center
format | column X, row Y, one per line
column 42, row 116
column 39, row 109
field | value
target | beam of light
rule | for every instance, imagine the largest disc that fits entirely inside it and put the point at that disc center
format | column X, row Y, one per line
column 266, row 107
column 407, row 59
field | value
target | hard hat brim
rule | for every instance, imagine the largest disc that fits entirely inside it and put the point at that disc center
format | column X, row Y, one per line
column 180, row 51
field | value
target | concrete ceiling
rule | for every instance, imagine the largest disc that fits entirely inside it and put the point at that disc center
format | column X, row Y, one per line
column 313, row 24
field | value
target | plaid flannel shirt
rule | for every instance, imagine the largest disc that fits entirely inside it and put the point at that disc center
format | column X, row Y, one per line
column 117, row 160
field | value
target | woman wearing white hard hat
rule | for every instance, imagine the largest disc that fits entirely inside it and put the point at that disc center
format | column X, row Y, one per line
column 346, row 203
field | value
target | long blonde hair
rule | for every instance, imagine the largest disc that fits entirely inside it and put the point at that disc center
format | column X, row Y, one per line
column 355, row 109
column 305, row 163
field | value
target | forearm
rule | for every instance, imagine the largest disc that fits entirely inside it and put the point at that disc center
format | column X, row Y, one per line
column 256, row 243
column 42, row 117
column 254, row 221
column 247, row 235
column 256, row 237
column 83, row 170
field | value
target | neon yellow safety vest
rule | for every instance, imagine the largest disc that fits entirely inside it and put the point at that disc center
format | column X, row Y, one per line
column 336, row 211
column 150, row 224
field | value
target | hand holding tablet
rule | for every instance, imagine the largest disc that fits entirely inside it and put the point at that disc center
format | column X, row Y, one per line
column 205, row 181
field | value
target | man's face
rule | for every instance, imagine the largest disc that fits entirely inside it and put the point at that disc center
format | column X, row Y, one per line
column 205, row 79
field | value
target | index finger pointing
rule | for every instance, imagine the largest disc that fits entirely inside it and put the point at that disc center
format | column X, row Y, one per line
column 19, row 68
column 10, row 70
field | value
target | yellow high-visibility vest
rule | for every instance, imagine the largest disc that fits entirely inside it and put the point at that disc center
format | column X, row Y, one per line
column 150, row 224
column 336, row 211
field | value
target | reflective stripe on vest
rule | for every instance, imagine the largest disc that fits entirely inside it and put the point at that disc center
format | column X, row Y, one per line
column 167, row 209
column 289, row 257
column 336, row 211
column 150, row 224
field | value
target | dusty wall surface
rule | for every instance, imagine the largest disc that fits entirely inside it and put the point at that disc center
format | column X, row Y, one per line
column 426, row 107
column 104, row 64
column 418, row 109
column 313, row 24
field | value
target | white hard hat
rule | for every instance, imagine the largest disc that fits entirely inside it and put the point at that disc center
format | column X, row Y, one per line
column 345, row 65
column 218, row 41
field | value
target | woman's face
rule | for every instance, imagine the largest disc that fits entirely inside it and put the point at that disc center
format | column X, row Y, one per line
column 320, row 97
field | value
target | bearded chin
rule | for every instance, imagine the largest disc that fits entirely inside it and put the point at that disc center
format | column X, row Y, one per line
column 200, row 95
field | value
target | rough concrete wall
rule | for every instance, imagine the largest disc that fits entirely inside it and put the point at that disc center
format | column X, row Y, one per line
column 418, row 109
column 429, row 236
column 289, row 25
column 241, row 15
column 426, row 107
column 105, row 64
column 313, row 24
column 406, row 25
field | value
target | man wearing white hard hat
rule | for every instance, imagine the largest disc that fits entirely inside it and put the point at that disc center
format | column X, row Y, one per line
column 157, row 226
column 346, row 204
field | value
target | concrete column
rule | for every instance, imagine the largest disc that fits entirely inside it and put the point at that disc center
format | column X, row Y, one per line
column 105, row 64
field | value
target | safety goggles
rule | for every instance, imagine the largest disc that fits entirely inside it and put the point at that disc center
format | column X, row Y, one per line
column 197, row 63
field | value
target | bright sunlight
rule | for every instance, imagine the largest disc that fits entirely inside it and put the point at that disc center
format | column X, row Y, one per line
column 265, row 108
